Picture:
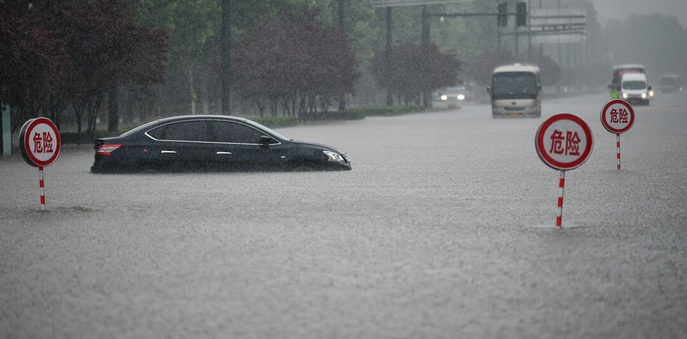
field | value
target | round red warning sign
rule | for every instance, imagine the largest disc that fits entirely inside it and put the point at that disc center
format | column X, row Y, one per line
column 39, row 141
column 564, row 141
column 617, row 116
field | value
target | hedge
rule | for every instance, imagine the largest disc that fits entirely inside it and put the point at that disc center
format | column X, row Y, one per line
column 272, row 122
column 386, row 110
column 85, row 137
column 276, row 122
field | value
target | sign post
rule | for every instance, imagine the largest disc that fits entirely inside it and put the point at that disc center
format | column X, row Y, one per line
column 617, row 117
column 563, row 142
column 40, row 144
column 6, row 131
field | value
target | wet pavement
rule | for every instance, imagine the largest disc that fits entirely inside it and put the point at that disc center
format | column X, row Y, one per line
column 443, row 229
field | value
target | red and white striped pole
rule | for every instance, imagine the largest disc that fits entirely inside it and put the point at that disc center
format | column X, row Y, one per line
column 617, row 145
column 42, row 185
column 561, row 185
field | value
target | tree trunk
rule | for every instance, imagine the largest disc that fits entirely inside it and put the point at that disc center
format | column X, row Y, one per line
column 193, row 91
column 205, row 102
column 113, row 109
column 78, row 111
column 93, row 108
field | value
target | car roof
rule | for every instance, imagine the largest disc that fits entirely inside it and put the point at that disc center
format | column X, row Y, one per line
column 202, row 117
column 161, row 121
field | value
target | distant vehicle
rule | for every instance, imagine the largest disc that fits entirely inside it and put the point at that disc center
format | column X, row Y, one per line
column 210, row 142
column 671, row 83
column 619, row 70
column 635, row 89
column 516, row 91
column 450, row 96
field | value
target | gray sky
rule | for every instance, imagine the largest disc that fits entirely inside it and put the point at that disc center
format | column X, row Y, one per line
column 621, row 9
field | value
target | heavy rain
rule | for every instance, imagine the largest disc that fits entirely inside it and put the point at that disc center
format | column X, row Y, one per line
column 444, row 227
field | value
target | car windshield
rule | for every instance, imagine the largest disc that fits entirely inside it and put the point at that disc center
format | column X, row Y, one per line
column 634, row 84
column 453, row 90
column 514, row 85
column 668, row 81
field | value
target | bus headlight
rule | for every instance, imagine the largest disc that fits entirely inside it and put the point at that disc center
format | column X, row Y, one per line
column 444, row 97
column 461, row 97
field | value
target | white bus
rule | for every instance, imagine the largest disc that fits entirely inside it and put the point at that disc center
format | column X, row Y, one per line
column 515, row 91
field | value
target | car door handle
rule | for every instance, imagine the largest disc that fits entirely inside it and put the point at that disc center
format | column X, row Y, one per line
column 168, row 152
column 223, row 153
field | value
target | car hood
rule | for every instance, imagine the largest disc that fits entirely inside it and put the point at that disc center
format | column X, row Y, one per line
column 316, row 145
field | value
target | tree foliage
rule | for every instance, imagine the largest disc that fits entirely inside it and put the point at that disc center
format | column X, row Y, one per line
column 295, row 62
column 34, row 63
column 416, row 68
column 70, row 53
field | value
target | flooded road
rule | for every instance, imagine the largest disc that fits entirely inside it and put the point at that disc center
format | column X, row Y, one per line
column 443, row 229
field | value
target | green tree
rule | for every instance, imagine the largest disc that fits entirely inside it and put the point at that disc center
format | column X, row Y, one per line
column 88, row 48
column 293, row 61
column 417, row 68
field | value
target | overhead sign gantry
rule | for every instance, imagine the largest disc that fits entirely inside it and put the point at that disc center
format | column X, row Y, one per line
column 395, row 3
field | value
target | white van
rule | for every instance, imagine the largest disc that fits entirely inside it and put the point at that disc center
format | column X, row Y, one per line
column 515, row 91
column 635, row 89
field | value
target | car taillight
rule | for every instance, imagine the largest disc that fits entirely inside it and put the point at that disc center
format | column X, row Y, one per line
column 107, row 149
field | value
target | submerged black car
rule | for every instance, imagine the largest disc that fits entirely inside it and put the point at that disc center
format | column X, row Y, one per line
column 210, row 142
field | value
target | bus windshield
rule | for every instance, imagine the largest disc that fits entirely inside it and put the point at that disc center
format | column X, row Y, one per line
column 514, row 85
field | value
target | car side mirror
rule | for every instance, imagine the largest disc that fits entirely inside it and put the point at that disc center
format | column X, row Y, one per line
column 650, row 88
column 488, row 89
column 265, row 140
column 538, row 88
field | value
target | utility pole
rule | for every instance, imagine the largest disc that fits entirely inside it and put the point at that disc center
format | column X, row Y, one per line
column 342, row 26
column 389, row 59
column 529, row 34
column 225, row 72
column 426, row 95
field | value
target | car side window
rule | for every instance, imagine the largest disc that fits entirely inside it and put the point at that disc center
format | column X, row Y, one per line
column 157, row 133
column 235, row 133
column 185, row 131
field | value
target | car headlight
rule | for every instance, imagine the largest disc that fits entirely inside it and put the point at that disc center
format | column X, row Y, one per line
column 335, row 157
column 624, row 95
column 444, row 97
column 644, row 95
column 461, row 97
column 651, row 93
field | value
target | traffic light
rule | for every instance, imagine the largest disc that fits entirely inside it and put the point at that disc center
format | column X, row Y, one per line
column 521, row 14
column 502, row 16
